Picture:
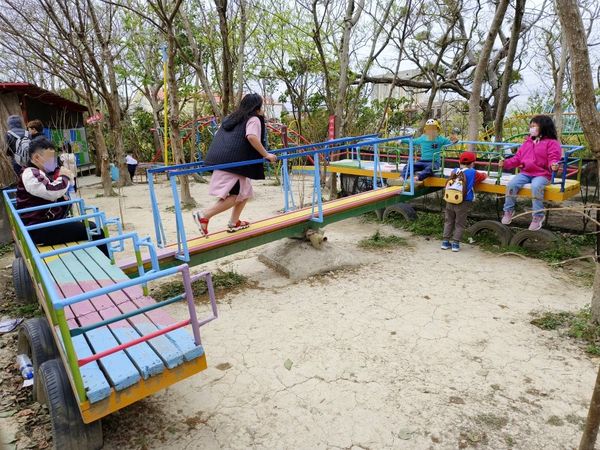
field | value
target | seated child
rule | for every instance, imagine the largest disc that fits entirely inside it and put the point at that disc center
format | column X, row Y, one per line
column 36, row 187
column 431, row 144
column 457, row 212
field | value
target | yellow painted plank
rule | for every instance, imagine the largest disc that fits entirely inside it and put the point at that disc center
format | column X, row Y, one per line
column 327, row 207
column 349, row 171
column 552, row 192
column 143, row 388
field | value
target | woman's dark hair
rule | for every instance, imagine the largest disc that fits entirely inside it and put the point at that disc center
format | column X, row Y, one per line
column 249, row 106
column 546, row 124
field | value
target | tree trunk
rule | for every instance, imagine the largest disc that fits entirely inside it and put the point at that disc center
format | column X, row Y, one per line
column 503, row 98
column 227, row 60
column 176, row 144
column 240, row 55
column 558, row 89
column 475, row 99
column 199, row 68
column 353, row 12
column 585, row 102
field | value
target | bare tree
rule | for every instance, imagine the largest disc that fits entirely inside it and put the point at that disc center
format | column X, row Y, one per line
column 503, row 97
column 480, row 69
column 585, row 101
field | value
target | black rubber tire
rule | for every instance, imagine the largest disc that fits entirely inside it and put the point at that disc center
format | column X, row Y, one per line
column 503, row 232
column 36, row 341
column 405, row 210
column 16, row 251
column 22, row 282
column 68, row 430
column 544, row 238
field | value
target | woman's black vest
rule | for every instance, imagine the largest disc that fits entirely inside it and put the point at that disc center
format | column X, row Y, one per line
column 230, row 146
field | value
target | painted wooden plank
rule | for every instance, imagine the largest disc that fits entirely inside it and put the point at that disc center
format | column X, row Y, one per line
column 181, row 338
column 142, row 355
column 95, row 383
column 171, row 355
column 161, row 319
column 118, row 367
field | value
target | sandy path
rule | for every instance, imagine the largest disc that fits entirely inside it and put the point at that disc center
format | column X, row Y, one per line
column 426, row 349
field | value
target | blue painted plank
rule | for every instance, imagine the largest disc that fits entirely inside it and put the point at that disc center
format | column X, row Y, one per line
column 181, row 338
column 142, row 355
column 118, row 367
column 166, row 346
column 95, row 383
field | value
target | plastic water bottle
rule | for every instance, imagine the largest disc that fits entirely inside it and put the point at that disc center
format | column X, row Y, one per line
column 25, row 366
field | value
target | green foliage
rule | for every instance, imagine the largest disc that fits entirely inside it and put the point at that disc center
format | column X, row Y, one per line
column 222, row 281
column 6, row 248
column 377, row 241
column 576, row 325
column 138, row 136
column 426, row 224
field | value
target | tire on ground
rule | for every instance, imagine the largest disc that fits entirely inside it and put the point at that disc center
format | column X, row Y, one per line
column 502, row 232
column 406, row 211
column 16, row 250
column 22, row 282
column 540, row 239
column 68, row 430
column 36, row 341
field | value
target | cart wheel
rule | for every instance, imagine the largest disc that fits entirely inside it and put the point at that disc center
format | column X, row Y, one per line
column 16, row 250
column 407, row 212
column 36, row 341
column 22, row 282
column 68, row 430
column 534, row 240
column 501, row 231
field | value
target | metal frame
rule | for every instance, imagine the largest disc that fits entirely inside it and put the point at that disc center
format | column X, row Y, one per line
column 285, row 154
column 55, row 304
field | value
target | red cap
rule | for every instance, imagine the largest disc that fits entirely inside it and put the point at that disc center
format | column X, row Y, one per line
column 467, row 157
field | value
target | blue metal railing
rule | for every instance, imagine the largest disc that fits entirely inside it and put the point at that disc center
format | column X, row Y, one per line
column 320, row 150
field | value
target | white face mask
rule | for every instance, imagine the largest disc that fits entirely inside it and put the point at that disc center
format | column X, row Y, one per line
column 534, row 131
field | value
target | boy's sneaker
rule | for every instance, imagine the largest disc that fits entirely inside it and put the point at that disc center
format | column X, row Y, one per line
column 536, row 223
column 507, row 217
column 456, row 247
column 446, row 245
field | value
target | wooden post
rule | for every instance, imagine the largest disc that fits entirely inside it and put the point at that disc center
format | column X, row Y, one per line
column 590, row 431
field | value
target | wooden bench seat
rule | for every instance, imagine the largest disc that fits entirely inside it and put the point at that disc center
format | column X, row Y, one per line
column 89, row 269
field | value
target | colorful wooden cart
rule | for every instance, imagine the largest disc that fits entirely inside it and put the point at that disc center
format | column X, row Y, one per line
column 103, row 342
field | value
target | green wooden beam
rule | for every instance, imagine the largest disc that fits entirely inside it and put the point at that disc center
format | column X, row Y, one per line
column 297, row 230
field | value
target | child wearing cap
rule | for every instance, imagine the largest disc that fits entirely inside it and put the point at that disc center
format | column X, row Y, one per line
column 431, row 144
column 456, row 214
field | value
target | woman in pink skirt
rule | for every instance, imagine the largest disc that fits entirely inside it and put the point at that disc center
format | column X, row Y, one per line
column 241, row 137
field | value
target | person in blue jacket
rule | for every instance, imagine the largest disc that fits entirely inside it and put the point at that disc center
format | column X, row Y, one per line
column 430, row 143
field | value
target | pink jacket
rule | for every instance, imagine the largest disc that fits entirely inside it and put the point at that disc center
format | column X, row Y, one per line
column 535, row 159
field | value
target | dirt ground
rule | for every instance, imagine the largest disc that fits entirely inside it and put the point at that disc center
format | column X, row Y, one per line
column 423, row 349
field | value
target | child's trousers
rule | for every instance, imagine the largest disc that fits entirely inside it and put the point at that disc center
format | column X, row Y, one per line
column 456, row 220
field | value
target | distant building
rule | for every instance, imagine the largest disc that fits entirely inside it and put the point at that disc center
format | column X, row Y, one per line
column 417, row 98
column 62, row 118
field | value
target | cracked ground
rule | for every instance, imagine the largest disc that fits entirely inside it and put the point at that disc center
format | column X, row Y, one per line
column 422, row 349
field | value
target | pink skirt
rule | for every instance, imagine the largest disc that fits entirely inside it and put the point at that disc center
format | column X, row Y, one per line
column 221, row 184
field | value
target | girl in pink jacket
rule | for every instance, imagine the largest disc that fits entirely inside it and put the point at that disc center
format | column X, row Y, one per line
column 537, row 158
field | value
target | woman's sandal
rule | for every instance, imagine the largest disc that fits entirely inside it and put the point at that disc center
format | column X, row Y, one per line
column 202, row 223
column 239, row 225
